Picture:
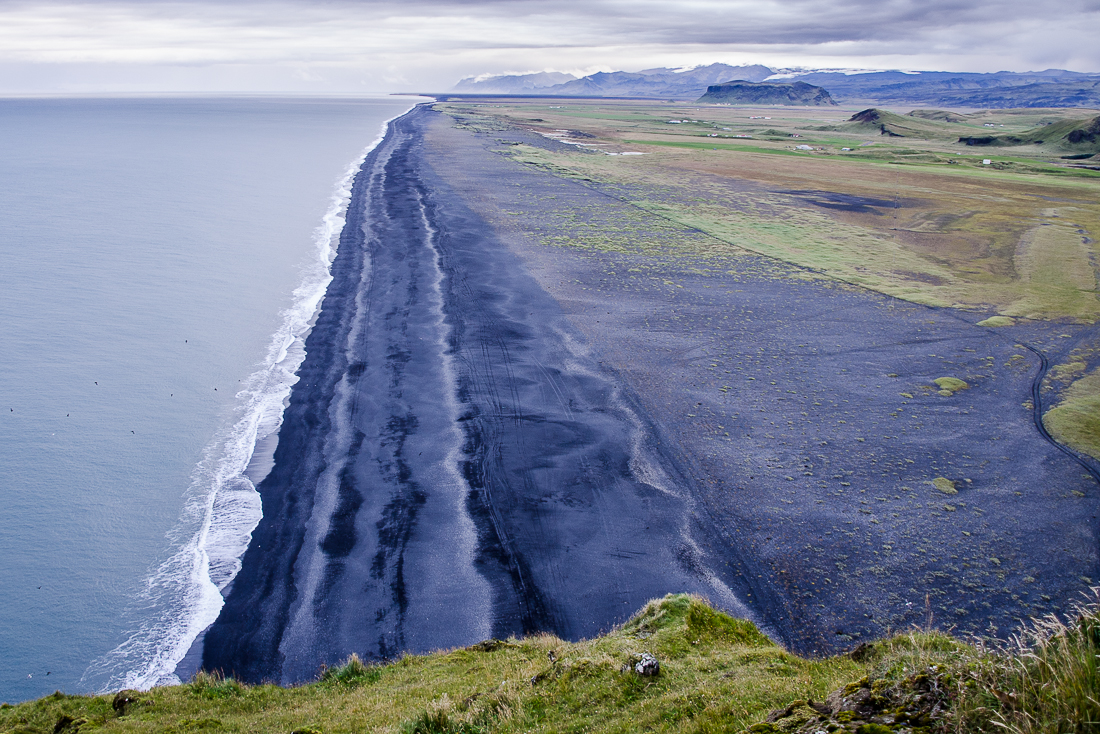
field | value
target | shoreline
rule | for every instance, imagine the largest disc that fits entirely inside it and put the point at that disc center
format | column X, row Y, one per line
column 262, row 415
column 497, row 436
column 360, row 522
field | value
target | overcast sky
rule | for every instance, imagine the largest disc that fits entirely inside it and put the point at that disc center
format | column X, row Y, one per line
column 374, row 46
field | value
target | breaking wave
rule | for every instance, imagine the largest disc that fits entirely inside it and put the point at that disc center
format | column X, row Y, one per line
column 183, row 596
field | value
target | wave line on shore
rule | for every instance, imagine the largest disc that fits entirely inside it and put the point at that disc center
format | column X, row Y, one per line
column 182, row 596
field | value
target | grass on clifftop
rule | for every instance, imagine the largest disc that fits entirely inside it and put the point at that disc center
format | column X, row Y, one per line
column 717, row 674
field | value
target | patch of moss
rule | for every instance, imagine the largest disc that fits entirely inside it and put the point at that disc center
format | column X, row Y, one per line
column 945, row 485
column 998, row 321
column 950, row 385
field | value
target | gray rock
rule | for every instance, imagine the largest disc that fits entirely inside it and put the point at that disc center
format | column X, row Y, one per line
column 647, row 665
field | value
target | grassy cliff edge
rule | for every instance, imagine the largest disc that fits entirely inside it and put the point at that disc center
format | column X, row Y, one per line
column 716, row 674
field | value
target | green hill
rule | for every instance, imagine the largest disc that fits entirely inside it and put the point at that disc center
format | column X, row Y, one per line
column 712, row 674
column 765, row 93
column 1078, row 136
column 941, row 115
column 874, row 120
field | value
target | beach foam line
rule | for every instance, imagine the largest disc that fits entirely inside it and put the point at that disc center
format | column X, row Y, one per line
column 183, row 595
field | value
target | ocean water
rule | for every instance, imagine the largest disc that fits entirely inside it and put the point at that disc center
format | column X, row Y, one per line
column 161, row 260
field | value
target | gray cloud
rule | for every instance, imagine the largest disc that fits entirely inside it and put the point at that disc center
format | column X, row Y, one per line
column 381, row 46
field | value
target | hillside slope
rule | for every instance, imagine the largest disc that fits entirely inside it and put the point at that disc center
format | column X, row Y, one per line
column 1078, row 136
column 677, row 666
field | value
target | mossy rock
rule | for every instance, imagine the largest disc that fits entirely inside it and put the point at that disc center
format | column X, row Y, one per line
column 944, row 485
column 794, row 718
column 950, row 385
column 874, row 729
column 998, row 321
column 1076, row 420
column 67, row 723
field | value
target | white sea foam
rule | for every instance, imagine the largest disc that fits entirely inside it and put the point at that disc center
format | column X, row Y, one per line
column 182, row 597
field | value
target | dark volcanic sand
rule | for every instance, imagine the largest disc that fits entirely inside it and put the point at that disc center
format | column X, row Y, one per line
column 453, row 464
column 496, row 434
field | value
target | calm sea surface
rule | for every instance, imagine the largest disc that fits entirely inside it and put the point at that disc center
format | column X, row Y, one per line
column 159, row 261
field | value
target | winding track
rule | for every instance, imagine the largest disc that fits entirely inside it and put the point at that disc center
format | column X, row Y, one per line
column 1037, row 413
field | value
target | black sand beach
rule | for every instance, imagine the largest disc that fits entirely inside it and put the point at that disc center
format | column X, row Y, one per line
column 454, row 464
column 495, row 434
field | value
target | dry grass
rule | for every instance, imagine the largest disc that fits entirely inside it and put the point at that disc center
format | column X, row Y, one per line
column 1046, row 682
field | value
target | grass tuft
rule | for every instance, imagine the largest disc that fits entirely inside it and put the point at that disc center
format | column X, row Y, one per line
column 1046, row 682
column 354, row 672
column 213, row 685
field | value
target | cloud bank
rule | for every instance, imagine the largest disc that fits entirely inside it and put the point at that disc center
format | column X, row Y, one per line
column 370, row 46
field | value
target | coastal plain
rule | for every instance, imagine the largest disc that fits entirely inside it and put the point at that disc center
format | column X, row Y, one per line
column 792, row 316
column 576, row 357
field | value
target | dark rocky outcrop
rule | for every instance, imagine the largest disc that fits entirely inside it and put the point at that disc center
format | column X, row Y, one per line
column 767, row 93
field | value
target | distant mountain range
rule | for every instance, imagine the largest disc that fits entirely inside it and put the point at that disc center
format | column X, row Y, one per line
column 1050, row 88
column 653, row 83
